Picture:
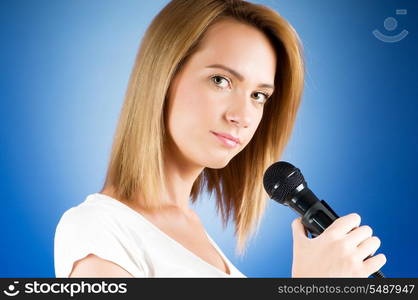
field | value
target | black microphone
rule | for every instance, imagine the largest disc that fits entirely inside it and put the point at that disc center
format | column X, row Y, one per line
column 285, row 184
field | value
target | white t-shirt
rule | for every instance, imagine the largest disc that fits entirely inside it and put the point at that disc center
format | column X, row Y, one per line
column 108, row 228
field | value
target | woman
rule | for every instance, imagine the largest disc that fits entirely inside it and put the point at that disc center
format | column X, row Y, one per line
column 211, row 101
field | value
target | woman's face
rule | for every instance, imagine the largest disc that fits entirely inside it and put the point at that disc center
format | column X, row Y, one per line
column 204, row 98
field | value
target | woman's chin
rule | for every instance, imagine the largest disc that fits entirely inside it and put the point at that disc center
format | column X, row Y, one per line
column 218, row 164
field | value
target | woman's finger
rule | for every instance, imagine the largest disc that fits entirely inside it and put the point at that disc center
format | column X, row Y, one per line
column 359, row 234
column 373, row 264
column 368, row 247
column 344, row 225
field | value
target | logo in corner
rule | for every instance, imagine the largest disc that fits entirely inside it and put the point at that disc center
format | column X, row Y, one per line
column 11, row 290
column 391, row 24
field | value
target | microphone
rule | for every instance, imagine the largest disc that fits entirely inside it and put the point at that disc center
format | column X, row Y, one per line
column 285, row 184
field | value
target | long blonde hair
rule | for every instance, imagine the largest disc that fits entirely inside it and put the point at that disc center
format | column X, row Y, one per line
column 136, row 161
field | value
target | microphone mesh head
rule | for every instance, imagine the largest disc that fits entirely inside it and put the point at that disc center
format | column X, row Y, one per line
column 280, row 179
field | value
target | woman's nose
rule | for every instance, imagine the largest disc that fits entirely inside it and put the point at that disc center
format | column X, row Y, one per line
column 240, row 111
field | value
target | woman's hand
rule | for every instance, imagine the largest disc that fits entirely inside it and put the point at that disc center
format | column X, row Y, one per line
column 339, row 251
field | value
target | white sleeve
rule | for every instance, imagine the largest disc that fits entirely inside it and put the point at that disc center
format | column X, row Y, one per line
column 80, row 233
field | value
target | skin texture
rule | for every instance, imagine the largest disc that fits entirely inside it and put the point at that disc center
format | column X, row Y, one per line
column 345, row 244
column 197, row 105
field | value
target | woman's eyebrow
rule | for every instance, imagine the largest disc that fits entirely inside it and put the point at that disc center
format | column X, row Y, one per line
column 238, row 75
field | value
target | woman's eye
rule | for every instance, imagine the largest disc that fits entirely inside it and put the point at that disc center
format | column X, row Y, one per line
column 266, row 96
column 218, row 79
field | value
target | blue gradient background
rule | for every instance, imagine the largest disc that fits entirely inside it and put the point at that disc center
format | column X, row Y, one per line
column 64, row 70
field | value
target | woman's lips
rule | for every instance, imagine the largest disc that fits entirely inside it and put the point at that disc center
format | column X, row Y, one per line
column 228, row 136
column 225, row 141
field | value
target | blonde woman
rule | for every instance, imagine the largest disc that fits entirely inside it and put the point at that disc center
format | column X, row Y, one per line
column 211, row 103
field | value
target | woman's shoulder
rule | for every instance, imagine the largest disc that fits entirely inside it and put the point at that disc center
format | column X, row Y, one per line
column 100, row 227
column 89, row 211
column 95, row 214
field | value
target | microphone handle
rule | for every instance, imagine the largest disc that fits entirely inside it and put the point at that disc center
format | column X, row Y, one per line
column 318, row 217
